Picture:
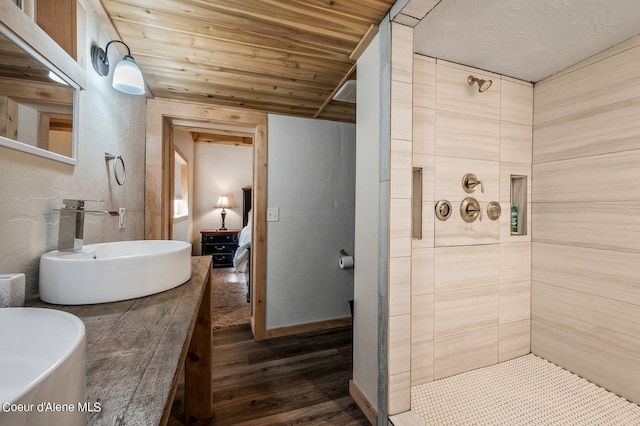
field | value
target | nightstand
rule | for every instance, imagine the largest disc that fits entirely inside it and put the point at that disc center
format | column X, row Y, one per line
column 221, row 245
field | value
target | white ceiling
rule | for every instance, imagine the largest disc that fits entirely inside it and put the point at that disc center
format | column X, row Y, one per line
column 524, row 39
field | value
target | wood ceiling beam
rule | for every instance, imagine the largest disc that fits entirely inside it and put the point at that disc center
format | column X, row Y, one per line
column 330, row 98
column 364, row 43
column 222, row 139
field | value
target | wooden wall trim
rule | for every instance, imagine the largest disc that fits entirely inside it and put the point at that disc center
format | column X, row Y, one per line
column 363, row 403
column 309, row 327
column 160, row 115
column 259, row 234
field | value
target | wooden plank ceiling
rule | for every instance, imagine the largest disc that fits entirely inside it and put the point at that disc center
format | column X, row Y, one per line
column 278, row 56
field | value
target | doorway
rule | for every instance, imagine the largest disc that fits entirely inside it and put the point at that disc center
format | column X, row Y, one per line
column 162, row 117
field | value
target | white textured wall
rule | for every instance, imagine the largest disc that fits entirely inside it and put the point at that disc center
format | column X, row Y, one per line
column 312, row 182
column 365, row 321
column 219, row 169
column 586, row 229
column 183, row 228
column 31, row 186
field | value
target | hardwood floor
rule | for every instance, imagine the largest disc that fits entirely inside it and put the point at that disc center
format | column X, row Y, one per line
column 297, row 380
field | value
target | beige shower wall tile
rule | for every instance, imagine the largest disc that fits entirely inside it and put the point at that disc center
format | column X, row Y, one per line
column 424, row 130
column 464, row 352
column 421, row 362
column 599, row 319
column 401, row 111
column 516, row 101
column 399, row 344
column 515, row 302
column 603, row 83
column 455, row 95
column 421, row 339
column 399, row 393
column 424, row 81
column 422, row 271
column 620, row 374
column 399, row 286
column 505, row 225
column 428, row 216
column 516, row 142
column 457, row 232
column 428, row 164
column 586, row 269
column 612, row 51
column 515, row 262
column 513, row 169
column 466, row 267
column 401, row 170
column 612, row 226
column 422, row 317
column 449, row 173
column 514, row 340
column 462, row 311
column 585, row 135
column 401, row 53
column 607, row 177
column 467, row 136
column 399, row 227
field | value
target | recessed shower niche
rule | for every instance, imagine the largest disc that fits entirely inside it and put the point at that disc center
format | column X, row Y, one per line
column 518, row 210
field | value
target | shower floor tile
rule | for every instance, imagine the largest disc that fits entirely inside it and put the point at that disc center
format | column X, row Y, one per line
column 524, row 391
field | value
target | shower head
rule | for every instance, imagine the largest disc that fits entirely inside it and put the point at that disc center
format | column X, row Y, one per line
column 482, row 84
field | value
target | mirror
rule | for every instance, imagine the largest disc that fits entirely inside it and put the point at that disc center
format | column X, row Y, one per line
column 180, row 186
column 37, row 103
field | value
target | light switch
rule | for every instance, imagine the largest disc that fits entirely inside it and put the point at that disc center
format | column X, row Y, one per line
column 273, row 214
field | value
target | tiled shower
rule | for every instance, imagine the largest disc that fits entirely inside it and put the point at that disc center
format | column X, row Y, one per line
column 467, row 295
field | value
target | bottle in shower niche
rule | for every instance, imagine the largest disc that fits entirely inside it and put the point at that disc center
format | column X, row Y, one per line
column 514, row 219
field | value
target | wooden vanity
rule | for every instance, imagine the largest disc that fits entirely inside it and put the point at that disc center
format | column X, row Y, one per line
column 136, row 350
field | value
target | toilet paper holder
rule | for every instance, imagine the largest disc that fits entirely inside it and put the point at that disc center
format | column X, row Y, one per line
column 344, row 260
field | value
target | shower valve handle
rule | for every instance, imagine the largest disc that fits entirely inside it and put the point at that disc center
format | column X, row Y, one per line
column 469, row 183
column 470, row 210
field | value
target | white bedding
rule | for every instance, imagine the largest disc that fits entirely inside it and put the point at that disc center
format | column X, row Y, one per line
column 241, row 258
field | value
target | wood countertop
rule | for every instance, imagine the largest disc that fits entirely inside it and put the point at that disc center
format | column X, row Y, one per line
column 136, row 349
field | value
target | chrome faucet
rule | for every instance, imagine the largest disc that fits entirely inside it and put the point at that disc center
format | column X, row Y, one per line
column 71, row 228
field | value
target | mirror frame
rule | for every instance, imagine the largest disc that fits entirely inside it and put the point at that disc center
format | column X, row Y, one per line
column 30, row 149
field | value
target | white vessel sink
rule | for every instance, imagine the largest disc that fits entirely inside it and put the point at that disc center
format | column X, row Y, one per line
column 42, row 363
column 109, row 272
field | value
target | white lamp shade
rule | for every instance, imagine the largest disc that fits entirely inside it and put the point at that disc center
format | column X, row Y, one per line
column 223, row 202
column 127, row 77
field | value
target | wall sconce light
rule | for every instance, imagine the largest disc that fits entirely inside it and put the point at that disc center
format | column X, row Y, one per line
column 127, row 76
column 223, row 203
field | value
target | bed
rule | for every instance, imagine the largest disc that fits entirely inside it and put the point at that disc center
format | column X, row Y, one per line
column 242, row 257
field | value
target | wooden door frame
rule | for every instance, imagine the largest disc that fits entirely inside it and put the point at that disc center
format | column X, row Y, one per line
column 160, row 115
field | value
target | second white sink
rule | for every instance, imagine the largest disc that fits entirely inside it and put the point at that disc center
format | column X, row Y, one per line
column 42, row 367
